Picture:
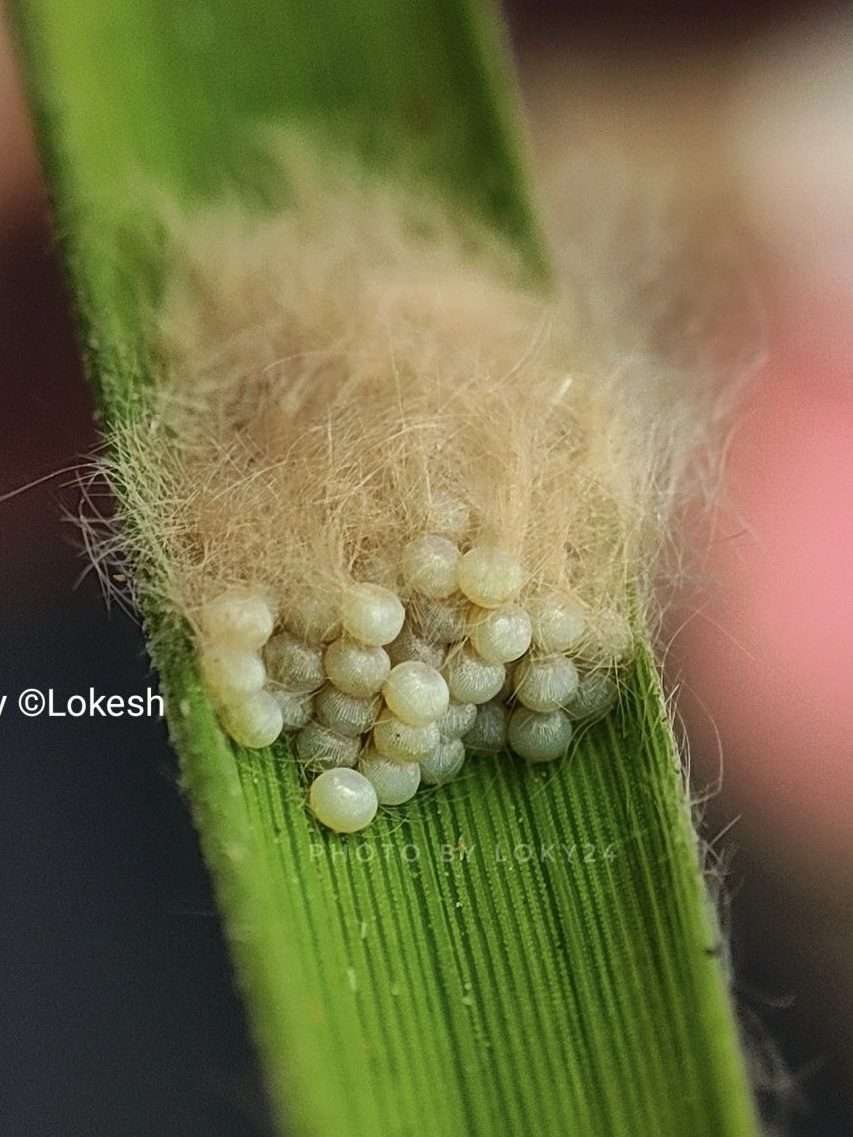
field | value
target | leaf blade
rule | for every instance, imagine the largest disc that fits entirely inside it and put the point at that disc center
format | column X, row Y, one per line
column 537, row 993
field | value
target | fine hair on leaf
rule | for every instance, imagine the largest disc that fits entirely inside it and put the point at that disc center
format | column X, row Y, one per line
column 343, row 374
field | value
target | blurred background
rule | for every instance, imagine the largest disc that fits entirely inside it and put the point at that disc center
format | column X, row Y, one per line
column 115, row 997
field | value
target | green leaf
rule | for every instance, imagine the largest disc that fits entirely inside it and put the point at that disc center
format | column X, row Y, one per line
column 525, row 951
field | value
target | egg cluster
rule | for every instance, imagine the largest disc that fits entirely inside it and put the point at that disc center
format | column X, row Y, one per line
column 381, row 697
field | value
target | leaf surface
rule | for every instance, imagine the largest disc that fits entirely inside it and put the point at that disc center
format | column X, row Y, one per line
column 526, row 950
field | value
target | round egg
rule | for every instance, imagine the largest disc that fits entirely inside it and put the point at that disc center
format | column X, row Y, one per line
column 416, row 693
column 296, row 665
column 471, row 679
column 394, row 782
column 457, row 720
column 448, row 515
column 239, row 619
column 410, row 646
column 558, row 624
column 346, row 714
column 254, row 721
column 489, row 577
column 296, row 710
column 488, row 733
column 403, row 742
column 595, row 695
column 439, row 621
column 500, row 635
column 343, row 800
column 371, row 614
column 429, row 566
column 545, row 684
column 444, row 763
column 356, row 668
column 320, row 748
column 539, row 737
column 231, row 673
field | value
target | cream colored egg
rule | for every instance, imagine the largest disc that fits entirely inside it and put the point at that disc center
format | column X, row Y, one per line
column 415, row 693
column 439, row 621
column 254, row 721
column 403, row 742
column 507, row 691
column 296, row 665
column 343, row 713
column 448, row 515
column 371, row 614
column 595, row 695
column 394, row 782
column 612, row 639
column 313, row 617
column 545, row 684
column 500, row 635
column 457, row 720
column 230, row 673
column 488, row 734
column 321, row 749
column 343, row 800
column 429, row 566
column 471, row 679
column 380, row 566
column 539, row 737
column 410, row 646
column 356, row 668
column 296, row 710
column 558, row 624
column 489, row 577
column 238, row 619
column 444, row 763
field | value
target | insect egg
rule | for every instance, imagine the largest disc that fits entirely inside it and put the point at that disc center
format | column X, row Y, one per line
column 449, row 515
column 439, row 621
column 356, row 668
column 444, row 763
column 403, row 742
column 429, row 566
column 230, row 673
column 321, row 748
column 457, row 720
column 415, row 693
column 239, row 619
column 297, row 666
column 394, row 782
column 346, row 714
column 471, row 679
column 489, row 577
column 501, row 634
column 613, row 638
column 545, row 684
column 488, row 734
column 296, row 709
column 343, row 800
column 371, row 614
column 539, row 737
column 313, row 618
column 254, row 721
column 596, row 694
column 409, row 646
column 558, row 624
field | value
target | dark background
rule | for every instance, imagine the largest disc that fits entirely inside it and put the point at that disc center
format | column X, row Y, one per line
column 116, row 1005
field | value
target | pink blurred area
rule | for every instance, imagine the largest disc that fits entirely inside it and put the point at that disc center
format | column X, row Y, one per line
column 767, row 661
column 45, row 407
column 771, row 659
